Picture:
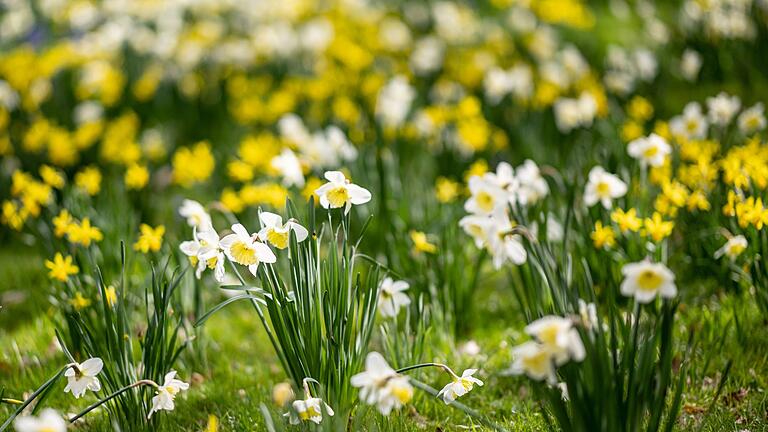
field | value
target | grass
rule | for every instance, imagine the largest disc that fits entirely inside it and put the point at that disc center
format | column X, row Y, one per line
column 242, row 368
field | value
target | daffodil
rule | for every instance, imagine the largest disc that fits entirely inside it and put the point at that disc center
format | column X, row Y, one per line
column 308, row 409
column 243, row 248
column 340, row 192
column 734, row 247
column 392, row 297
column 380, row 385
column 603, row 187
column 48, row 421
column 195, row 214
column 276, row 233
column 82, row 377
column 645, row 280
column 166, row 393
column 722, row 108
column 603, row 236
column 487, row 196
column 657, row 228
column 61, row 268
column 532, row 186
column 459, row 386
column 62, row 223
column 289, row 168
column 204, row 251
column 83, row 233
column 421, row 242
column 150, row 239
column 79, row 302
column 533, row 360
column 559, row 336
column 650, row 151
column 627, row 220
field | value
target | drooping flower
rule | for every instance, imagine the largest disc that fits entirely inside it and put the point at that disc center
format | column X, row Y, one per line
column 82, row 377
column 244, row 249
column 459, row 386
column 340, row 192
column 603, row 187
column 645, row 280
column 650, row 150
column 166, row 393
column 380, row 385
column 276, row 233
column 392, row 297
column 310, row 409
column 48, row 421
column 61, row 268
column 195, row 214
column 734, row 247
column 559, row 337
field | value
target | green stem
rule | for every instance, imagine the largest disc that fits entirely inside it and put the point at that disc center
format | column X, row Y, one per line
column 424, row 365
column 51, row 381
column 112, row 396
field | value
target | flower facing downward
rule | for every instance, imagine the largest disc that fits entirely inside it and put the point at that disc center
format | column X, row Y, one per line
column 195, row 214
column 243, row 249
column 340, row 192
column 310, row 409
column 734, row 247
column 392, row 297
column 82, row 377
column 166, row 393
column 380, row 385
column 276, row 233
column 204, row 252
column 603, row 187
column 650, row 151
column 460, row 386
column 644, row 280
column 48, row 421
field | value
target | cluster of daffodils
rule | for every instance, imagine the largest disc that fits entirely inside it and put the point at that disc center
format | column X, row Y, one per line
column 492, row 196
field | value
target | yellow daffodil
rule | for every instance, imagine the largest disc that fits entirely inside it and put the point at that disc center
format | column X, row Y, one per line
column 150, row 239
column 83, row 233
column 79, row 302
column 603, row 236
column 656, row 228
column 61, row 268
column 421, row 242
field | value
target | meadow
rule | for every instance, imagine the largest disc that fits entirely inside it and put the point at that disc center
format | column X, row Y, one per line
column 359, row 215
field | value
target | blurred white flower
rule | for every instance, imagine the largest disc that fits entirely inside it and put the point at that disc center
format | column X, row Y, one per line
column 380, row 385
column 394, row 35
column 82, row 377
column 195, row 214
column 559, row 337
column 340, row 192
column 392, row 297
column 289, row 168
column 486, row 196
column 573, row 113
column 645, row 280
column 534, row 360
column 690, row 64
column 734, row 247
column 394, row 102
column 722, row 108
column 310, row 409
column 752, row 119
column 166, row 393
column 242, row 248
column 48, row 421
column 459, row 386
column 692, row 124
column 532, row 186
column 603, row 187
column 650, row 150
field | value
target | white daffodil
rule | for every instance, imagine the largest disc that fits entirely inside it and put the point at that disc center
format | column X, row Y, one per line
column 644, row 280
column 204, row 251
column 588, row 314
column 722, row 108
column 486, row 195
column 604, row 187
column 534, row 360
column 276, row 233
column 503, row 244
column 82, row 377
column 244, row 249
column 310, row 409
column 478, row 227
column 559, row 337
column 166, row 393
column 532, row 186
column 692, row 124
column 340, row 192
column 195, row 214
column 289, row 168
column 394, row 102
column 734, row 247
column 380, row 385
column 392, row 297
column 690, row 64
column 752, row 119
column 459, row 386
column 650, row 150
column 48, row 421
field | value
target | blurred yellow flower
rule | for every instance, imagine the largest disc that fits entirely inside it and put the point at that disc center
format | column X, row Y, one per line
column 656, row 228
column 627, row 221
column 446, row 190
column 231, row 201
column 89, row 180
column 640, row 109
column 193, row 165
column 136, row 176
column 83, row 233
column 111, row 295
column 62, row 223
column 478, row 168
column 52, row 177
column 310, row 187
column 13, row 216
column 421, row 242
column 61, row 267
column 79, row 302
column 150, row 239
column 603, row 236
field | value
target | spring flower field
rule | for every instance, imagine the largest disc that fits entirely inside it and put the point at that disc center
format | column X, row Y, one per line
column 369, row 215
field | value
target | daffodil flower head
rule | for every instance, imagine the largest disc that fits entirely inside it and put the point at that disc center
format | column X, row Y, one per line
column 380, row 385
column 340, row 192
column 82, row 377
column 392, row 297
column 243, row 248
column 558, row 336
column 48, row 421
column 195, row 214
column 308, row 409
column 734, row 247
column 645, row 280
column 276, row 233
column 204, row 251
column 459, row 386
column 534, row 360
column 603, row 187
column 166, row 393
